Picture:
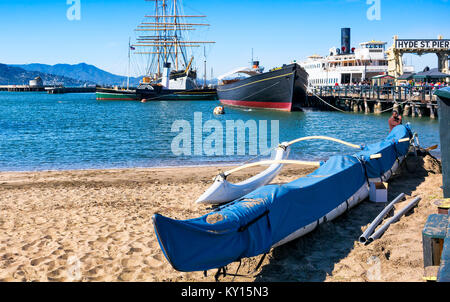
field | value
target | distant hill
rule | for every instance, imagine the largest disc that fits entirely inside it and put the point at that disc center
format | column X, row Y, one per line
column 81, row 72
column 10, row 75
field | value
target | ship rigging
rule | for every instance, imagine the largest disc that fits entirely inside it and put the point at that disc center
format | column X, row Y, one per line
column 163, row 39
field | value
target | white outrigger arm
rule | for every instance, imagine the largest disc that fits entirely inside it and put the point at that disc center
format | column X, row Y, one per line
column 223, row 191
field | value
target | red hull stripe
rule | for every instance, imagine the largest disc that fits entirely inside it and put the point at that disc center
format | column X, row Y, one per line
column 269, row 105
column 116, row 99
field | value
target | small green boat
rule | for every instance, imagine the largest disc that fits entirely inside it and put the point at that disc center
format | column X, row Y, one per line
column 107, row 94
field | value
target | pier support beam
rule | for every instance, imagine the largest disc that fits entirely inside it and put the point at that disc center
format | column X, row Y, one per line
column 432, row 114
column 347, row 105
column 395, row 107
column 413, row 110
column 366, row 107
column 406, row 110
column 420, row 111
column 355, row 107
column 377, row 108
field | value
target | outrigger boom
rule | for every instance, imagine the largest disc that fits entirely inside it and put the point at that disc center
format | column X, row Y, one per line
column 223, row 191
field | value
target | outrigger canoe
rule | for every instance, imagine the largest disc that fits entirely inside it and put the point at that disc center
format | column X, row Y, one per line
column 273, row 215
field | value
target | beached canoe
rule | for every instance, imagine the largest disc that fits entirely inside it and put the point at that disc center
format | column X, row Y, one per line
column 276, row 214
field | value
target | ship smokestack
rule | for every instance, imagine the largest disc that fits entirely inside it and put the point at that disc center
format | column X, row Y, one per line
column 345, row 40
column 255, row 64
column 166, row 75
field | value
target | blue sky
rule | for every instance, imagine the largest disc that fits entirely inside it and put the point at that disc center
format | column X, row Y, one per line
column 279, row 31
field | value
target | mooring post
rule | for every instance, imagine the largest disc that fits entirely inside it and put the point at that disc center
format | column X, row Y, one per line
column 366, row 107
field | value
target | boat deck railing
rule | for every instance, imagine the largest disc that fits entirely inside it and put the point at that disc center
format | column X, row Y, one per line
column 421, row 94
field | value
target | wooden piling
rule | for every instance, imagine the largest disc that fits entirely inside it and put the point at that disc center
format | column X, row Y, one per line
column 432, row 114
column 377, row 108
column 366, row 107
column 406, row 110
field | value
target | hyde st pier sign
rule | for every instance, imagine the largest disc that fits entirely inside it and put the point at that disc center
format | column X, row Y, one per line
column 439, row 46
column 423, row 44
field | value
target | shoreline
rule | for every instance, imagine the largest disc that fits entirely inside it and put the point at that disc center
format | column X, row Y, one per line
column 211, row 165
column 98, row 223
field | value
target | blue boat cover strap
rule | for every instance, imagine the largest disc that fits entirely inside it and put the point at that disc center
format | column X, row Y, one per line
column 243, row 228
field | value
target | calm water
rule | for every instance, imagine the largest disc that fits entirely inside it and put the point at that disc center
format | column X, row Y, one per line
column 53, row 132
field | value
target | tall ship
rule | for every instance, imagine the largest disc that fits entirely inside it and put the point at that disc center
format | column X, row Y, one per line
column 348, row 65
column 282, row 88
column 165, row 50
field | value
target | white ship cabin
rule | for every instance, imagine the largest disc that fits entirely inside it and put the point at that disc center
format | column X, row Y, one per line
column 240, row 73
column 343, row 66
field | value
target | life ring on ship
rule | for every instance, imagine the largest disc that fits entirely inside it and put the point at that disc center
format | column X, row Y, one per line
column 219, row 110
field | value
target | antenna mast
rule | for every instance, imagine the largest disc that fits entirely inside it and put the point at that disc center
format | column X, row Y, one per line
column 129, row 58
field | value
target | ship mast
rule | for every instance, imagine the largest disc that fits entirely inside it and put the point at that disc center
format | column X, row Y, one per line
column 176, row 40
column 129, row 59
column 162, row 37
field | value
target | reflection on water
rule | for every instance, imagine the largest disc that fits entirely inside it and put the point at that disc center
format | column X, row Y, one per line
column 50, row 132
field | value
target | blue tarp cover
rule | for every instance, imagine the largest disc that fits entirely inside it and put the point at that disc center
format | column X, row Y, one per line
column 251, row 225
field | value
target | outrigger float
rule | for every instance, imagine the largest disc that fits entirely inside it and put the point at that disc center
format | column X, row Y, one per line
column 272, row 215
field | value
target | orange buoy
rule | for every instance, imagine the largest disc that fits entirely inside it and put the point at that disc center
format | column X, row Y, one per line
column 219, row 110
column 144, row 101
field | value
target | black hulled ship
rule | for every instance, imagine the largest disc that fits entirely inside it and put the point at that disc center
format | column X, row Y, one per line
column 175, row 86
column 282, row 88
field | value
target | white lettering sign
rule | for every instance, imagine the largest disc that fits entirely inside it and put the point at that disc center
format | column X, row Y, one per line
column 423, row 44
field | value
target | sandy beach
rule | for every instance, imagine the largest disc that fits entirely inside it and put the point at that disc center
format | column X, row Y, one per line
column 95, row 225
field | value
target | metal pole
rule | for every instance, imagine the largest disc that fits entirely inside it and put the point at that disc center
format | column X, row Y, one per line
column 396, row 218
column 204, row 54
column 129, row 56
column 363, row 238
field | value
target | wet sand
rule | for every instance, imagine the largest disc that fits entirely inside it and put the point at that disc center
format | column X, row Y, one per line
column 96, row 225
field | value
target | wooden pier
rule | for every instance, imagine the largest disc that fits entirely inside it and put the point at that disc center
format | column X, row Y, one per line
column 414, row 101
column 20, row 88
column 50, row 90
